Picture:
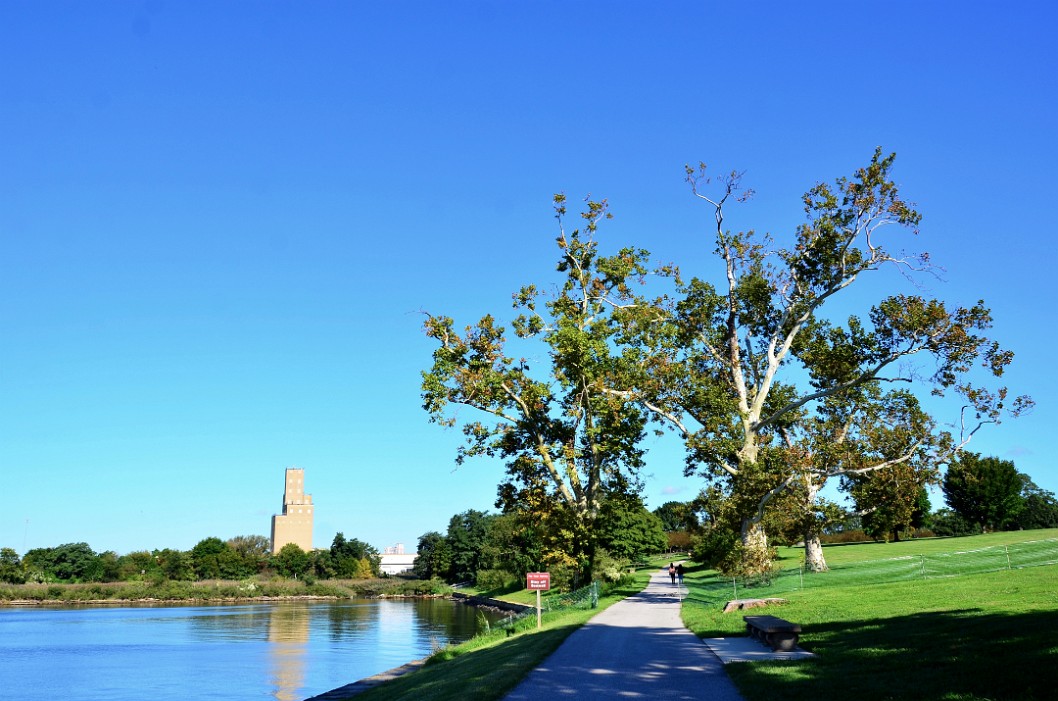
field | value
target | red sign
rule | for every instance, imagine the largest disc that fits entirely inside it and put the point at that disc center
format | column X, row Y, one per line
column 538, row 581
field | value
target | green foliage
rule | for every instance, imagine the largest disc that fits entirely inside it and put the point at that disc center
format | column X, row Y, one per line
column 72, row 562
column 1039, row 511
column 565, row 432
column 678, row 516
column 770, row 394
column 607, row 568
column 983, row 491
column 947, row 523
column 251, row 553
column 469, row 546
column 627, row 530
column 1039, row 508
column 212, row 558
column 11, row 567
column 434, row 559
column 354, row 558
column 716, row 549
column 175, row 564
column 497, row 580
column 291, row 561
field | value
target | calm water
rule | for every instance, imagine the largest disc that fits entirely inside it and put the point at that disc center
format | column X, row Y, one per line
column 286, row 651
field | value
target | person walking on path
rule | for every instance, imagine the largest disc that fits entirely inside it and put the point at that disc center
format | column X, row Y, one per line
column 672, row 573
column 637, row 648
column 679, row 573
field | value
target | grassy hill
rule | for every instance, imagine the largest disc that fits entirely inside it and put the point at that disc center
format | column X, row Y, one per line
column 959, row 619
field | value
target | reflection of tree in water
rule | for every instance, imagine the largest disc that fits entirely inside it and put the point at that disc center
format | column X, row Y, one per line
column 301, row 638
column 288, row 633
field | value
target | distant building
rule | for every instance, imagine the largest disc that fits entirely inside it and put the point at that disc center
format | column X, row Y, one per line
column 294, row 525
column 395, row 561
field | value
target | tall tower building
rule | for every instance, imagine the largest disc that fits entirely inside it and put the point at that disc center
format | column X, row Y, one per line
column 294, row 525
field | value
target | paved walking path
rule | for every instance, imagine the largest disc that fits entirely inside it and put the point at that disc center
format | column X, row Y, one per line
column 637, row 648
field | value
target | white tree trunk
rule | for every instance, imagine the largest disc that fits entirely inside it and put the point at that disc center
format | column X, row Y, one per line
column 756, row 560
column 814, row 560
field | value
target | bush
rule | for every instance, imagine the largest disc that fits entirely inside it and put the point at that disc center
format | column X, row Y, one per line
column 855, row 535
column 497, row 580
column 606, row 568
column 948, row 523
column 713, row 548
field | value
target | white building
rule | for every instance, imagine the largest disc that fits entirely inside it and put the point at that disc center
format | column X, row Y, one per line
column 396, row 561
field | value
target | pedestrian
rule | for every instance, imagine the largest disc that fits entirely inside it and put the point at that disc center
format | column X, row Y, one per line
column 672, row 573
column 679, row 573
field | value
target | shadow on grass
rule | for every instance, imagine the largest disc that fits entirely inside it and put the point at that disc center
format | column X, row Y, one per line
column 962, row 655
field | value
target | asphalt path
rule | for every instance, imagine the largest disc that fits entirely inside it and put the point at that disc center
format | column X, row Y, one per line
column 637, row 648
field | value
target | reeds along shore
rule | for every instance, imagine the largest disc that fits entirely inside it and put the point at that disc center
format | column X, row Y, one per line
column 215, row 591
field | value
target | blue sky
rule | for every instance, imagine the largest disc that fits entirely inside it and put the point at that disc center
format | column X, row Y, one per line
column 220, row 222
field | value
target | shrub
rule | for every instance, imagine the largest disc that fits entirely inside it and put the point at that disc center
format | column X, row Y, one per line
column 606, row 568
column 496, row 580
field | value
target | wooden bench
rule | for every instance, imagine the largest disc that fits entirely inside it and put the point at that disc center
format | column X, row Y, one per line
column 773, row 631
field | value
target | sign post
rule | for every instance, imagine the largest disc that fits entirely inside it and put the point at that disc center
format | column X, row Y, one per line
column 538, row 582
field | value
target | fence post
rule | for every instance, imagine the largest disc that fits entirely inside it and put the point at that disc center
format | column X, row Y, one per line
column 801, row 571
column 922, row 558
column 1007, row 551
column 734, row 583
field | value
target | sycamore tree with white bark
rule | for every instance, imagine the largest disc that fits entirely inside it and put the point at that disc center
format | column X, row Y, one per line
column 772, row 393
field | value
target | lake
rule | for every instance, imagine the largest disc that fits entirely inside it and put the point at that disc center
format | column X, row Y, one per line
column 286, row 651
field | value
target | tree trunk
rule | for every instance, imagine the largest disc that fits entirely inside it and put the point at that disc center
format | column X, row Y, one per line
column 756, row 560
column 814, row 560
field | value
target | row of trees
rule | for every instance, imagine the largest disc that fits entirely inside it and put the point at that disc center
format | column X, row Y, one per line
column 773, row 375
column 989, row 494
column 981, row 494
column 210, row 558
column 494, row 550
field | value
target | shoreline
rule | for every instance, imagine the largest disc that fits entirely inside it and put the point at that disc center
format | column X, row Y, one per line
column 362, row 685
column 466, row 599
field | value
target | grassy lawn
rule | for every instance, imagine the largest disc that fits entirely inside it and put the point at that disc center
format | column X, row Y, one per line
column 987, row 636
column 489, row 666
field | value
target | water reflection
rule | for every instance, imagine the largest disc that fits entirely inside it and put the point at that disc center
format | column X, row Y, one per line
column 275, row 650
column 288, row 633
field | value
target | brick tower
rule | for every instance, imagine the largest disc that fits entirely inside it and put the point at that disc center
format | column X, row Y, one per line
column 294, row 525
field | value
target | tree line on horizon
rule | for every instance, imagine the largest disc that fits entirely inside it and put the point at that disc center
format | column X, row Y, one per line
column 781, row 373
column 211, row 558
column 494, row 551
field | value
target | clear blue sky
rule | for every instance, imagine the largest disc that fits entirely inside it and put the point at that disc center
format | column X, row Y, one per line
column 220, row 221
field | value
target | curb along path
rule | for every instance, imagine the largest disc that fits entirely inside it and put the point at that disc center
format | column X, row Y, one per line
column 637, row 648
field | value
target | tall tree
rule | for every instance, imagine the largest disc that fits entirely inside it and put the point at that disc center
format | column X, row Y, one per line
column 291, row 560
column 983, row 491
column 628, row 531
column 677, row 516
column 1039, row 507
column 354, row 558
column 70, row 562
column 434, row 557
column 11, row 567
column 565, row 439
column 468, row 544
column 755, row 372
column 212, row 558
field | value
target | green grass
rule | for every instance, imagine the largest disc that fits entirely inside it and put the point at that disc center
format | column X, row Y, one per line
column 989, row 636
column 490, row 666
